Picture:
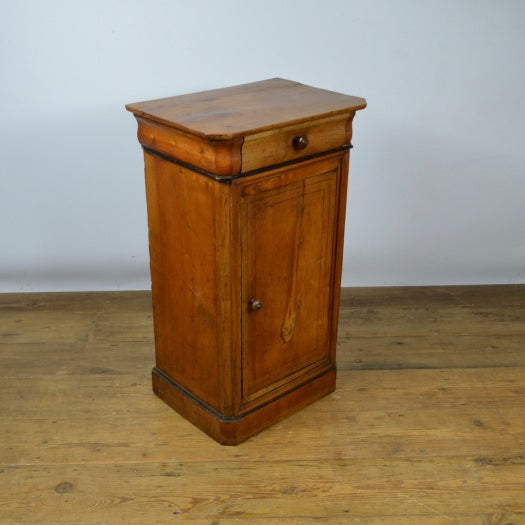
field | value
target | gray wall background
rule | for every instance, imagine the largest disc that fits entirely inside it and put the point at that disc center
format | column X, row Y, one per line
column 437, row 185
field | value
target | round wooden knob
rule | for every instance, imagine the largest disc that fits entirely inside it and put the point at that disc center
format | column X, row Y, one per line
column 300, row 142
column 255, row 305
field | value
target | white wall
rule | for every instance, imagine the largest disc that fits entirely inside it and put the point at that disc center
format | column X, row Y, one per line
column 437, row 172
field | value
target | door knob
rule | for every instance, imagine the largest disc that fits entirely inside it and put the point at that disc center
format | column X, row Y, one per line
column 300, row 142
column 255, row 305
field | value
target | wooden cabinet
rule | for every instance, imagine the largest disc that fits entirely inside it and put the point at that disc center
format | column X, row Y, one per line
column 246, row 192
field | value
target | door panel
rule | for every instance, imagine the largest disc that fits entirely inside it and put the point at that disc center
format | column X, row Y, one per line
column 287, row 247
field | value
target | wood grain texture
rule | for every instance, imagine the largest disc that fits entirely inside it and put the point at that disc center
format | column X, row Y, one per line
column 229, row 131
column 279, row 149
column 213, row 156
column 276, row 146
column 195, row 252
column 283, row 249
column 246, row 109
column 291, row 273
column 465, row 326
column 435, row 436
column 183, row 257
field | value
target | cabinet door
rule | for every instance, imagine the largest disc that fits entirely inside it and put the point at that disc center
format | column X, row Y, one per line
column 288, row 246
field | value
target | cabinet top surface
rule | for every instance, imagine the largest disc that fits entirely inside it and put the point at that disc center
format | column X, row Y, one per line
column 246, row 109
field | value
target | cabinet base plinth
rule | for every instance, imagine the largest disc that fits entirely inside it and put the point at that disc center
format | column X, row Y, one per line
column 232, row 430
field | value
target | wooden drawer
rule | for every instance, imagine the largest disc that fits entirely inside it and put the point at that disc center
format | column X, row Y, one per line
column 294, row 142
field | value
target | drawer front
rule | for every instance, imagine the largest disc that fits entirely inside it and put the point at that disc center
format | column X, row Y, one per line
column 294, row 142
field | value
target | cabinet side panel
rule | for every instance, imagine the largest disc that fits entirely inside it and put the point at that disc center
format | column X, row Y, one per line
column 182, row 235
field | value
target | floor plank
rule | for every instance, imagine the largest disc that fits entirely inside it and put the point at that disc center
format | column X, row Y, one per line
column 360, row 488
column 438, row 351
column 426, row 425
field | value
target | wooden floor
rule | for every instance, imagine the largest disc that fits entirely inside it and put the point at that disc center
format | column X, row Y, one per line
column 427, row 425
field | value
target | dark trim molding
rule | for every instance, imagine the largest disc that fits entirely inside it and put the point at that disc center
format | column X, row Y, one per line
column 216, row 414
column 232, row 419
column 229, row 178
